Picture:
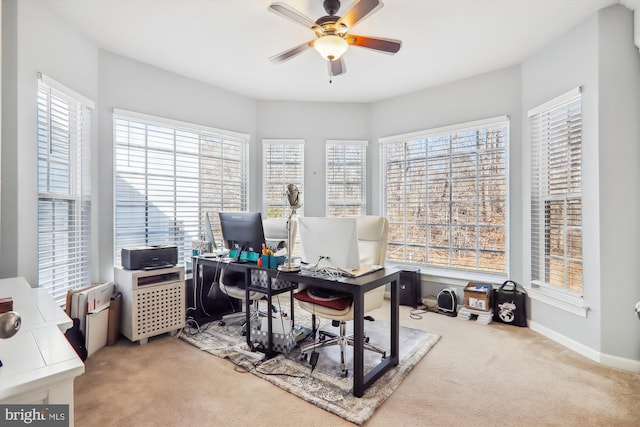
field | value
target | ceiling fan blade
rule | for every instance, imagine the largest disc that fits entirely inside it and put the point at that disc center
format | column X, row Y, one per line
column 337, row 67
column 290, row 53
column 358, row 11
column 384, row 45
column 288, row 12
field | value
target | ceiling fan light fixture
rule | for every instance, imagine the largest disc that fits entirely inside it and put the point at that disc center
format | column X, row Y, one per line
column 330, row 46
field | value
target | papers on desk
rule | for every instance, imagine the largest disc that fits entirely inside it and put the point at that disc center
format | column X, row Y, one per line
column 364, row 269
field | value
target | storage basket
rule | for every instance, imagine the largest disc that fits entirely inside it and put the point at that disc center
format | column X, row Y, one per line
column 260, row 279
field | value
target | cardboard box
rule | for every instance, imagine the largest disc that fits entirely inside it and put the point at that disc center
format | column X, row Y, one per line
column 477, row 296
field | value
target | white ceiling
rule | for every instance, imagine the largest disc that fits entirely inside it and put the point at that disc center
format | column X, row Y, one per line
column 227, row 43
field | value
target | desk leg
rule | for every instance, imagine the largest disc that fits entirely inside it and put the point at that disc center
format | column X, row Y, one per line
column 269, row 319
column 360, row 380
column 358, row 344
column 395, row 322
column 247, row 282
column 292, row 301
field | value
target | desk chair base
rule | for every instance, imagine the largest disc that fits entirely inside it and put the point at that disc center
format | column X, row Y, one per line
column 253, row 316
column 256, row 313
column 343, row 340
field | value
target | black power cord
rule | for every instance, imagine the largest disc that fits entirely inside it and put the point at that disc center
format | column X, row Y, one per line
column 313, row 360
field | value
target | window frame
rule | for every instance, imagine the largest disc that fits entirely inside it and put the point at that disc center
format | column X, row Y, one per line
column 569, row 299
column 205, row 149
column 70, row 133
column 421, row 137
column 362, row 145
column 271, row 206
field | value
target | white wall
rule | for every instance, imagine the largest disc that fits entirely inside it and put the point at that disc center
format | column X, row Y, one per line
column 37, row 42
column 135, row 86
column 484, row 96
column 315, row 123
column 9, row 158
column 598, row 56
column 619, row 163
column 569, row 62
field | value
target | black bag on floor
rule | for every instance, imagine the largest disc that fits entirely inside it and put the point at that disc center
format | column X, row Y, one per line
column 509, row 305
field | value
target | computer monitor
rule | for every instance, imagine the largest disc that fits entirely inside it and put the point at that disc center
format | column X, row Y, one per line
column 209, row 231
column 242, row 231
column 329, row 242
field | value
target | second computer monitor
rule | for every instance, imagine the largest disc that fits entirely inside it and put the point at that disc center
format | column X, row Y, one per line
column 330, row 242
column 242, row 230
column 209, row 232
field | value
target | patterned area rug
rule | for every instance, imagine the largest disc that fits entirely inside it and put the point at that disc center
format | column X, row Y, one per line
column 324, row 387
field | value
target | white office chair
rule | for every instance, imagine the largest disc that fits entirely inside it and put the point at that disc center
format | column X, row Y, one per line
column 275, row 234
column 372, row 245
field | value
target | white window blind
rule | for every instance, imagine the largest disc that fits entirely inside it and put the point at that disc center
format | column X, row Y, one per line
column 283, row 163
column 168, row 174
column 556, row 192
column 445, row 194
column 346, row 178
column 64, row 188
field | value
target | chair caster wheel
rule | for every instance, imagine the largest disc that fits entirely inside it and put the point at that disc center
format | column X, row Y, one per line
column 345, row 373
column 303, row 356
column 221, row 323
column 366, row 339
column 243, row 333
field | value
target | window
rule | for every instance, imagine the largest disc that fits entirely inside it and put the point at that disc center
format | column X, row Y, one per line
column 64, row 188
column 168, row 174
column 283, row 163
column 444, row 192
column 556, row 193
column 346, row 178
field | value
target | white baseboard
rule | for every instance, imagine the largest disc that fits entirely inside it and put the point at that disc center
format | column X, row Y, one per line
column 596, row 356
column 605, row 359
column 620, row 363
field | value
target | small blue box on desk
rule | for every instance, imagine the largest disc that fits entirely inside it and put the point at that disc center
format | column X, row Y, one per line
column 271, row 261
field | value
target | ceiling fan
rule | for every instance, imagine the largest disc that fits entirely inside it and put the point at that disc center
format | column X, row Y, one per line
column 332, row 32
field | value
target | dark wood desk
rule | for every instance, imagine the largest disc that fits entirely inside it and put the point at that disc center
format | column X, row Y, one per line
column 357, row 288
column 247, row 268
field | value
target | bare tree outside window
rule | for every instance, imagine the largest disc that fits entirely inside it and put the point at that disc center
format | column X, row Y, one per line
column 445, row 195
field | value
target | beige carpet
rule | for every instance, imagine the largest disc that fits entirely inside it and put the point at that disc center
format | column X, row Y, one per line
column 476, row 375
column 324, row 387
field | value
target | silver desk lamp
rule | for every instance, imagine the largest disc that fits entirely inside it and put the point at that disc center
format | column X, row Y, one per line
column 293, row 197
column 9, row 325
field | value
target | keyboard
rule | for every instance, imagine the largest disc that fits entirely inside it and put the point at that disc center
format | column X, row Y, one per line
column 218, row 254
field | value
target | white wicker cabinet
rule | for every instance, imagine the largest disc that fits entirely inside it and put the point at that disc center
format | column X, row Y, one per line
column 153, row 301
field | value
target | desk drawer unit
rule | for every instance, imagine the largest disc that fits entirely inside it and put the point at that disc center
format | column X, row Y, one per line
column 153, row 302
